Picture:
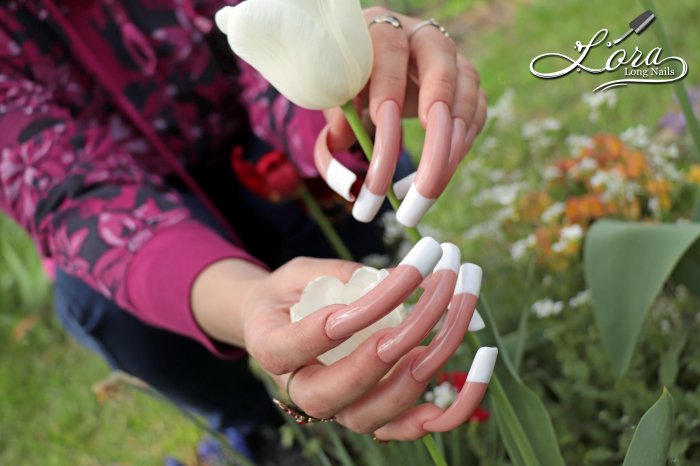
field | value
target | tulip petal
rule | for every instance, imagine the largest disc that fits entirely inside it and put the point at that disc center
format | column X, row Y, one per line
column 317, row 53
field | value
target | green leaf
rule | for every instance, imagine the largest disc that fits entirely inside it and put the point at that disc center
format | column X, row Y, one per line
column 522, row 419
column 626, row 264
column 652, row 437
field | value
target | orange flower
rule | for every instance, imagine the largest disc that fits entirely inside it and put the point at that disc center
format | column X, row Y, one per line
column 532, row 205
column 583, row 209
column 694, row 174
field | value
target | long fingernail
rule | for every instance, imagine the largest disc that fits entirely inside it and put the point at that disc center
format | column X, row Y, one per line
column 424, row 255
column 413, row 208
column 340, row 179
column 477, row 323
column 450, row 258
column 351, row 318
column 367, row 205
column 402, row 186
column 482, row 367
column 459, row 130
column 469, row 279
column 468, row 140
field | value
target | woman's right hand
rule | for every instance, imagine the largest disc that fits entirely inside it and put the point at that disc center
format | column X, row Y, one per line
column 356, row 389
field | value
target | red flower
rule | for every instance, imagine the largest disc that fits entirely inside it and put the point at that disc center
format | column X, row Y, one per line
column 273, row 177
column 457, row 379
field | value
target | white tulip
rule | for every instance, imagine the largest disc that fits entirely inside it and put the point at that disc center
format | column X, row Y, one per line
column 317, row 53
column 324, row 291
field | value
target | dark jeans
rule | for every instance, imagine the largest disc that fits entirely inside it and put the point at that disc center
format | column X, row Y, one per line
column 179, row 368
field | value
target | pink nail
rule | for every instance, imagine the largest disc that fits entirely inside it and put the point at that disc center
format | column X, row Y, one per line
column 436, row 150
column 381, row 168
column 386, row 296
column 421, row 319
column 459, row 130
column 471, row 394
column 448, row 338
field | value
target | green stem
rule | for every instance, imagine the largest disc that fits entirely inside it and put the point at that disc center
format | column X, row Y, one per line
column 678, row 86
column 432, row 448
column 368, row 148
column 324, row 224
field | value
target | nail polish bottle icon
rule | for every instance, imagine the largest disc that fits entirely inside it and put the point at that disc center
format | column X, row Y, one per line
column 637, row 25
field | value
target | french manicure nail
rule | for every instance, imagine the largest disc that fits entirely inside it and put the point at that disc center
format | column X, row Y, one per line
column 450, row 259
column 402, row 186
column 469, row 279
column 424, row 255
column 340, row 179
column 413, row 208
column 459, row 131
column 483, row 364
column 367, row 205
column 477, row 323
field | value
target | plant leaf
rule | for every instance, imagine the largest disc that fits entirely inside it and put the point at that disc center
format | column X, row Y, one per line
column 626, row 263
column 652, row 438
column 522, row 419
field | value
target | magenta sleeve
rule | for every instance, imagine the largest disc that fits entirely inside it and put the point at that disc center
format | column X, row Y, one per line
column 161, row 275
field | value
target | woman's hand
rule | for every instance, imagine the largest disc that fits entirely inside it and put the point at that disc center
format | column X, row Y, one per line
column 419, row 74
column 356, row 389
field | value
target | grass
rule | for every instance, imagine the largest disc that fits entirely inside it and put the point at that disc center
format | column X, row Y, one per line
column 48, row 413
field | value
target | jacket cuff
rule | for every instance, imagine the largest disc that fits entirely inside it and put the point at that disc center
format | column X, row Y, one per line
column 161, row 275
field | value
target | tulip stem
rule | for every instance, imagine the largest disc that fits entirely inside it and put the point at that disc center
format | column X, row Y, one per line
column 324, row 224
column 434, row 451
column 368, row 148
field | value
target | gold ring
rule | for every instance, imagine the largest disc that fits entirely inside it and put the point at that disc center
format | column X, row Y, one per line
column 299, row 416
column 429, row 22
column 386, row 19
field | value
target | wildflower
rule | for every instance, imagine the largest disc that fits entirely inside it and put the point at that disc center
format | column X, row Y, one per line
column 503, row 111
column 636, row 136
column 596, row 101
column 577, row 143
column 580, row 299
column 547, row 308
column 572, row 233
column 553, row 212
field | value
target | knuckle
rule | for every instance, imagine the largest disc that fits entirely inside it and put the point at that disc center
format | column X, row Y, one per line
column 443, row 82
column 358, row 423
column 269, row 361
column 376, row 11
column 397, row 44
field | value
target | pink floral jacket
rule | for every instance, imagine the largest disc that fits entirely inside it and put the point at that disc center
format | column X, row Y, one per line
column 100, row 102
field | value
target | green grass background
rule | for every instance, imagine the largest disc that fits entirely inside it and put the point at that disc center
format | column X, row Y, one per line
column 48, row 413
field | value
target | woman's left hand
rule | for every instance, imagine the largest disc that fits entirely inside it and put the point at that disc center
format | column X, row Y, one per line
column 417, row 71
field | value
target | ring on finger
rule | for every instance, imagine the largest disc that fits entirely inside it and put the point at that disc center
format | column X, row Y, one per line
column 429, row 22
column 299, row 416
column 386, row 19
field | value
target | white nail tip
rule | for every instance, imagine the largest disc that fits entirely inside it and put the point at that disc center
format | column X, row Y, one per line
column 477, row 323
column 367, row 205
column 450, row 258
column 469, row 279
column 402, row 186
column 482, row 367
column 413, row 208
column 424, row 255
column 340, row 179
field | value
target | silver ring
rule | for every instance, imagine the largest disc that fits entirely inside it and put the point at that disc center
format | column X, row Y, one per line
column 429, row 22
column 386, row 19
